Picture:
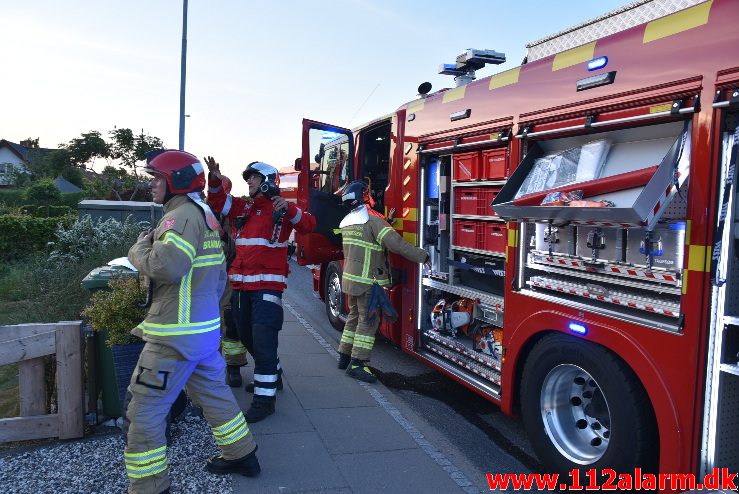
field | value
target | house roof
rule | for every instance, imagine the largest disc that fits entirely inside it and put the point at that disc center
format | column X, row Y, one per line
column 23, row 152
column 65, row 185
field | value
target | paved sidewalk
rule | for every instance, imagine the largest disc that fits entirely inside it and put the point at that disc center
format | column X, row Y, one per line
column 333, row 434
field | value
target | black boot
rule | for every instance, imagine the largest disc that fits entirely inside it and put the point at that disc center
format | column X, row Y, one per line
column 248, row 465
column 233, row 376
column 259, row 410
column 358, row 370
column 344, row 360
column 250, row 386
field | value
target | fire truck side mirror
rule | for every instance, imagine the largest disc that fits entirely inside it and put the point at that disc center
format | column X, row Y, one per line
column 298, row 164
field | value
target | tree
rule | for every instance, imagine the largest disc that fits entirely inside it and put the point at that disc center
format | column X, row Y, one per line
column 131, row 149
column 73, row 158
column 86, row 148
column 43, row 192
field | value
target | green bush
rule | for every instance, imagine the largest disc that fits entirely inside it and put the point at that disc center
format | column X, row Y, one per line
column 46, row 211
column 71, row 199
column 45, row 287
column 85, row 236
column 21, row 235
column 43, row 192
column 116, row 310
column 12, row 197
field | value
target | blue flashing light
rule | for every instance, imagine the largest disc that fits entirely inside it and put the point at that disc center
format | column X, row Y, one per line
column 328, row 135
column 578, row 328
column 597, row 63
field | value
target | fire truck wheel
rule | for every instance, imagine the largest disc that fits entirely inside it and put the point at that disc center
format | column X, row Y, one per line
column 334, row 296
column 583, row 408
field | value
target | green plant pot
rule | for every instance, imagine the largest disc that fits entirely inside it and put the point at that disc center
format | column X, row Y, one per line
column 107, row 382
column 124, row 359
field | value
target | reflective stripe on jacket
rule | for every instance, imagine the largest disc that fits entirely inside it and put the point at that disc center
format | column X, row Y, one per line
column 186, row 265
column 364, row 254
column 259, row 264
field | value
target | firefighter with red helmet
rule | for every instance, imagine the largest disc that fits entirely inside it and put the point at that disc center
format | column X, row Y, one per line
column 184, row 261
column 365, row 239
column 232, row 349
column 258, row 274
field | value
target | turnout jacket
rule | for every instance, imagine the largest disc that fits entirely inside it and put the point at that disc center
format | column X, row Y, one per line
column 258, row 263
column 365, row 238
column 187, row 269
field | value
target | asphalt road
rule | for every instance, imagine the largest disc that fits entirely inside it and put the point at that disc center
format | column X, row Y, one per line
column 490, row 440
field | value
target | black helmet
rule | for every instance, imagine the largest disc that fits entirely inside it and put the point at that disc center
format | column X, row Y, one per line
column 353, row 195
column 268, row 172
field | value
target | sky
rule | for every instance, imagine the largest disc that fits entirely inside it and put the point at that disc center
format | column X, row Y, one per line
column 254, row 69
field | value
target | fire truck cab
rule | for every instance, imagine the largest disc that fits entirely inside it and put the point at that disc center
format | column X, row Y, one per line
column 579, row 214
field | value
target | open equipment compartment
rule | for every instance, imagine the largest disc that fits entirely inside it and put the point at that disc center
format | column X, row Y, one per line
column 624, row 261
column 633, row 154
column 461, row 307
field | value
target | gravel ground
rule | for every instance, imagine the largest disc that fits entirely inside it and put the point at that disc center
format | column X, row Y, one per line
column 95, row 465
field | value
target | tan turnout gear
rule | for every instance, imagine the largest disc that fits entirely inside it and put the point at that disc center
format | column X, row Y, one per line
column 233, row 351
column 365, row 238
column 186, row 265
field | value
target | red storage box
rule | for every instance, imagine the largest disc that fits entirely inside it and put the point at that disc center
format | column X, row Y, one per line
column 495, row 163
column 496, row 237
column 466, row 200
column 488, row 198
column 468, row 234
column 466, row 166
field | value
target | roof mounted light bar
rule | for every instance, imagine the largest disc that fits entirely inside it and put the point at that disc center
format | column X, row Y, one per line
column 468, row 62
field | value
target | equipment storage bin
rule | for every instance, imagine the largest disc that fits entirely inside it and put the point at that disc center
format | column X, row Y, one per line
column 489, row 196
column 469, row 234
column 466, row 166
column 563, row 239
column 467, row 200
column 668, row 244
column 480, row 272
column 496, row 237
column 609, row 240
column 495, row 164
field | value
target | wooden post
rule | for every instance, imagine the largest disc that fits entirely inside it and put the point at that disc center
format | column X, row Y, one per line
column 27, row 344
column 32, row 387
column 69, row 380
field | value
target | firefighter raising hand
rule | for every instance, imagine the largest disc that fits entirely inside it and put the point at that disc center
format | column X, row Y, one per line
column 214, row 168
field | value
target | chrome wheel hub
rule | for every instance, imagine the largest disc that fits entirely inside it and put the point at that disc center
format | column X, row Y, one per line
column 575, row 414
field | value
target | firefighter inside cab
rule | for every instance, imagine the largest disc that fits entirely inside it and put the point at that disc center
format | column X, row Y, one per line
column 184, row 261
column 258, row 273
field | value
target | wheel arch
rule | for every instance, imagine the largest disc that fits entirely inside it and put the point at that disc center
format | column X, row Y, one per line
column 519, row 343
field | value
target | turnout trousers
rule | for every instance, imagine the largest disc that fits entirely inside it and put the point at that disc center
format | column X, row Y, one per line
column 231, row 347
column 161, row 373
column 259, row 316
column 358, row 336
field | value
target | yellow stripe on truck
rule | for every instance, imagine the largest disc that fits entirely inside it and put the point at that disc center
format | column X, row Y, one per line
column 678, row 22
column 504, row 78
column 575, row 56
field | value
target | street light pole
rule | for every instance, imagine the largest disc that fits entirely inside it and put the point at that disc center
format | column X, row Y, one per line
column 183, row 71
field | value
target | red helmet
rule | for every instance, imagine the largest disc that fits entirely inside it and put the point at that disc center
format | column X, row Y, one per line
column 183, row 171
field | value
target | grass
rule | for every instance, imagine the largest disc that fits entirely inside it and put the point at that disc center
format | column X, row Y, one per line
column 31, row 294
column 9, row 397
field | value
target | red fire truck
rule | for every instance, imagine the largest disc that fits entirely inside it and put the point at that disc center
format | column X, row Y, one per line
column 289, row 184
column 579, row 214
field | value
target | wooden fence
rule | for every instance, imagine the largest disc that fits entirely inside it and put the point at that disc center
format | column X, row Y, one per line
column 28, row 344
